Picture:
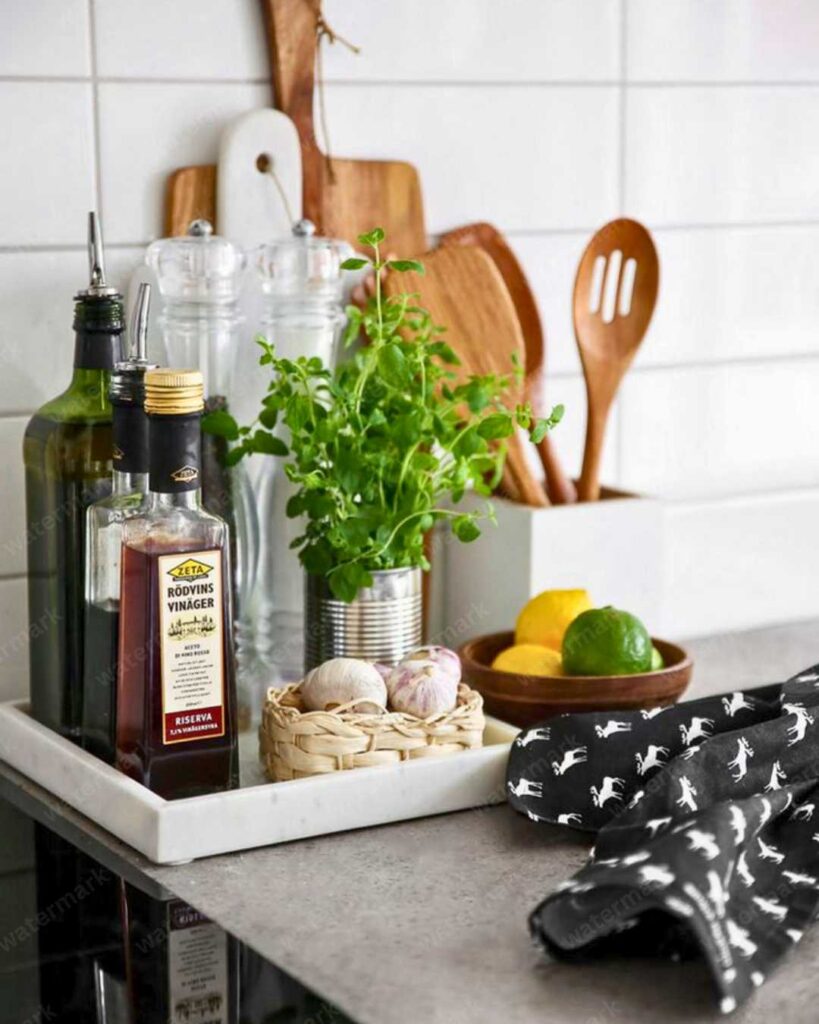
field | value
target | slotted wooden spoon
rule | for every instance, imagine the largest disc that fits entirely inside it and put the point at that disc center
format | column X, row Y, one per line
column 614, row 296
column 560, row 488
column 464, row 291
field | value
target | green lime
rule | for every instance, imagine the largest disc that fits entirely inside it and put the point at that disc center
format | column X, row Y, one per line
column 606, row 642
column 656, row 660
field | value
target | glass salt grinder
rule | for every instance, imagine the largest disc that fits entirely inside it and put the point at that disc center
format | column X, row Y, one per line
column 200, row 277
column 302, row 315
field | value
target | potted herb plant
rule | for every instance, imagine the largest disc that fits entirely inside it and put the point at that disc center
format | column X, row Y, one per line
column 379, row 449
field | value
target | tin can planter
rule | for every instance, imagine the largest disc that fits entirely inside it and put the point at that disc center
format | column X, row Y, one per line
column 383, row 623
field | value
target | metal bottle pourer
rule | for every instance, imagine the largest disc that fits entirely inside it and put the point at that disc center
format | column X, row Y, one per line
column 138, row 342
column 97, row 288
column 127, row 378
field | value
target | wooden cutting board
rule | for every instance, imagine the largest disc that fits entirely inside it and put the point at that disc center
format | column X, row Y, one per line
column 359, row 194
column 463, row 290
column 560, row 488
column 356, row 195
column 190, row 195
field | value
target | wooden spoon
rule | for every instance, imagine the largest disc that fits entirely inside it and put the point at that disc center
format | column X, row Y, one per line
column 560, row 488
column 464, row 291
column 614, row 296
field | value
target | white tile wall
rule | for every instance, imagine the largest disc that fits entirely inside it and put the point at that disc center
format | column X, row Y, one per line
column 523, row 157
column 204, row 39
column 742, row 562
column 713, row 431
column 546, row 117
column 147, row 130
column 44, row 38
column 477, row 41
column 704, row 155
column 737, row 293
column 46, row 162
column 36, row 339
column 723, row 41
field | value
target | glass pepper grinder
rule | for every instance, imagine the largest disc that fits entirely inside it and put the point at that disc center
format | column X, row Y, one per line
column 200, row 278
column 302, row 315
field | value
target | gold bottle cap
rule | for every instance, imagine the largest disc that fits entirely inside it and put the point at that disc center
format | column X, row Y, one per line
column 174, row 392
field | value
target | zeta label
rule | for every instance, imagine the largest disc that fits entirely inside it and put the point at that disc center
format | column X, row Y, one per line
column 190, row 567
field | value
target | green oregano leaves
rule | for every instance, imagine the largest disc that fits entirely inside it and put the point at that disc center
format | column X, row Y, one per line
column 378, row 445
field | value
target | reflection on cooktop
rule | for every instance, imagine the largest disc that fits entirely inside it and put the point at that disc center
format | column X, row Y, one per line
column 79, row 944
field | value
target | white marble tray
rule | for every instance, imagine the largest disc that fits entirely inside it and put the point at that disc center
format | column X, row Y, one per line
column 259, row 813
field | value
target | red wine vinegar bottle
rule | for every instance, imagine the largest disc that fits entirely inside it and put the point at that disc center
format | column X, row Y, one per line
column 176, row 687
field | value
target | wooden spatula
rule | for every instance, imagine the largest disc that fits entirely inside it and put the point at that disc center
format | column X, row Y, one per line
column 560, row 488
column 347, row 197
column 464, row 291
column 614, row 296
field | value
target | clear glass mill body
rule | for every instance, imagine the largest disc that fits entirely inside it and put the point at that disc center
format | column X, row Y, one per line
column 302, row 315
column 200, row 279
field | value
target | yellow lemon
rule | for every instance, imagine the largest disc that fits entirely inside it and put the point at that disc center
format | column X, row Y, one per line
column 545, row 618
column 529, row 660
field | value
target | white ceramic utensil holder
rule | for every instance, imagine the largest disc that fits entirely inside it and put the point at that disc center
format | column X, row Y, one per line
column 613, row 548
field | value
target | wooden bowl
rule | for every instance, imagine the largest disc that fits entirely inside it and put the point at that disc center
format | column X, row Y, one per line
column 524, row 700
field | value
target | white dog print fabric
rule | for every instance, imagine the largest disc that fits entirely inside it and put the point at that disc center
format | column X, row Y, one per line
column 706, row 839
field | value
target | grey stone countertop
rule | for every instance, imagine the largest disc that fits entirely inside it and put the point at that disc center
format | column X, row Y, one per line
column 426, row 920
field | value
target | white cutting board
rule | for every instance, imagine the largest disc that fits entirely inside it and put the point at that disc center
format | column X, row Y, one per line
column 250, row 212
column 249, row 206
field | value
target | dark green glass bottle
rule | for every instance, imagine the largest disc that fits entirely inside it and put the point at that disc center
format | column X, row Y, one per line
column 67, row 453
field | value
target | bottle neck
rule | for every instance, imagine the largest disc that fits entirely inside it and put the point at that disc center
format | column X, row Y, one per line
column 175, row 458
column 124, row 484
column 98, row 326
column 190, row 500
column 130, row 439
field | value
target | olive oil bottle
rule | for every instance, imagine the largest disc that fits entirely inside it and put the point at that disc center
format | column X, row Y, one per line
column 67, row 450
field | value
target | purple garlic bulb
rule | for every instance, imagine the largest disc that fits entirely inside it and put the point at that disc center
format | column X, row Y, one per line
column 448, row 661
column 422, row 689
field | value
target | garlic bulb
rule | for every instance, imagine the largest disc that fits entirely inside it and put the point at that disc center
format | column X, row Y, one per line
column 448, row 661
column 422, row 688
column 383, row 669
column 342, row 680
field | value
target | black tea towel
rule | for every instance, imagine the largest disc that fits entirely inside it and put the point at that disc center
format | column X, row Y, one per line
column 706, row 835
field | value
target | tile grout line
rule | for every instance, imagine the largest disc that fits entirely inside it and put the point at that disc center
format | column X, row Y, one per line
column 95, row 110
column 545, row 233
column 56, row 247
column 416, row 83
column 619, row 439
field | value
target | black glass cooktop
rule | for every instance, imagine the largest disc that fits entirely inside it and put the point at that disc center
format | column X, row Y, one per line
column 81, row 944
